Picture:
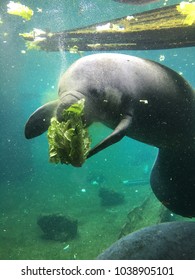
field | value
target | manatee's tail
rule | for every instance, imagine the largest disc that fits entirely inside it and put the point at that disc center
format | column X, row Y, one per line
column 173, row 180
column 39, row 121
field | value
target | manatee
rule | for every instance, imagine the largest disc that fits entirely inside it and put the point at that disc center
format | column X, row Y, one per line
column 165, row 241
column 137, row 98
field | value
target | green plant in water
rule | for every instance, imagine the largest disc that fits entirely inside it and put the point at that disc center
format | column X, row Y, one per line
column 188, row 9
column 29, row 35
column 69, row 141
column 16, row 8
column 32, row 46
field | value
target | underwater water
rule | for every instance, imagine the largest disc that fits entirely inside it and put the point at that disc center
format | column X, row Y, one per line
column 30, row 186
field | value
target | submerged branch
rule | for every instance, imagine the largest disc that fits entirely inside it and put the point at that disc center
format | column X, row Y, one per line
column 161, row 28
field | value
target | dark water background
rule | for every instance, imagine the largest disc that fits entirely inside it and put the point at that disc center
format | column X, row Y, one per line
column 29, row 184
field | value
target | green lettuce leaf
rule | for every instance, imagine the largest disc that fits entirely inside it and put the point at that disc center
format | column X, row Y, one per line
column 16, row 8
column 68, row 140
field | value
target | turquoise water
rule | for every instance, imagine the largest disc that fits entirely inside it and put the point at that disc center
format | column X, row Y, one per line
column 29, row 184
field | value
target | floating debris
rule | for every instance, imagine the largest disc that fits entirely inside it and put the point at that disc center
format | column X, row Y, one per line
column 135, row 182
column 103, row 27
column 32, row 46
column 145, row 101
column 75, row 49
column 130, row 17
column 188, row 9
column 95, row 183
column 110, row 27
column 162, row 57
column 20, row 10
column 66, row 247
column 96, row 179
column 39, row 10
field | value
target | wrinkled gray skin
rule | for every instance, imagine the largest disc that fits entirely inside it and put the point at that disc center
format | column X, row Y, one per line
column 166, row 241
column 140, row 99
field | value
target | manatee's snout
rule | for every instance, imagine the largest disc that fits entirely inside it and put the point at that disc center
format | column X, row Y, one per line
column 40, row 120
column 66, row 101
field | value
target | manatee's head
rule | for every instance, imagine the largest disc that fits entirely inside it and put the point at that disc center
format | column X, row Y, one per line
column 39, row 121
column 66, row 100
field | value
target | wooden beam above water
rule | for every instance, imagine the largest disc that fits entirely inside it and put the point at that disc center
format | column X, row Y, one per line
column 161, row 28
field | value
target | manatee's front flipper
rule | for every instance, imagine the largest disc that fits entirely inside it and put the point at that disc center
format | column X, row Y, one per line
column 39, row 121
column 115, row 136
